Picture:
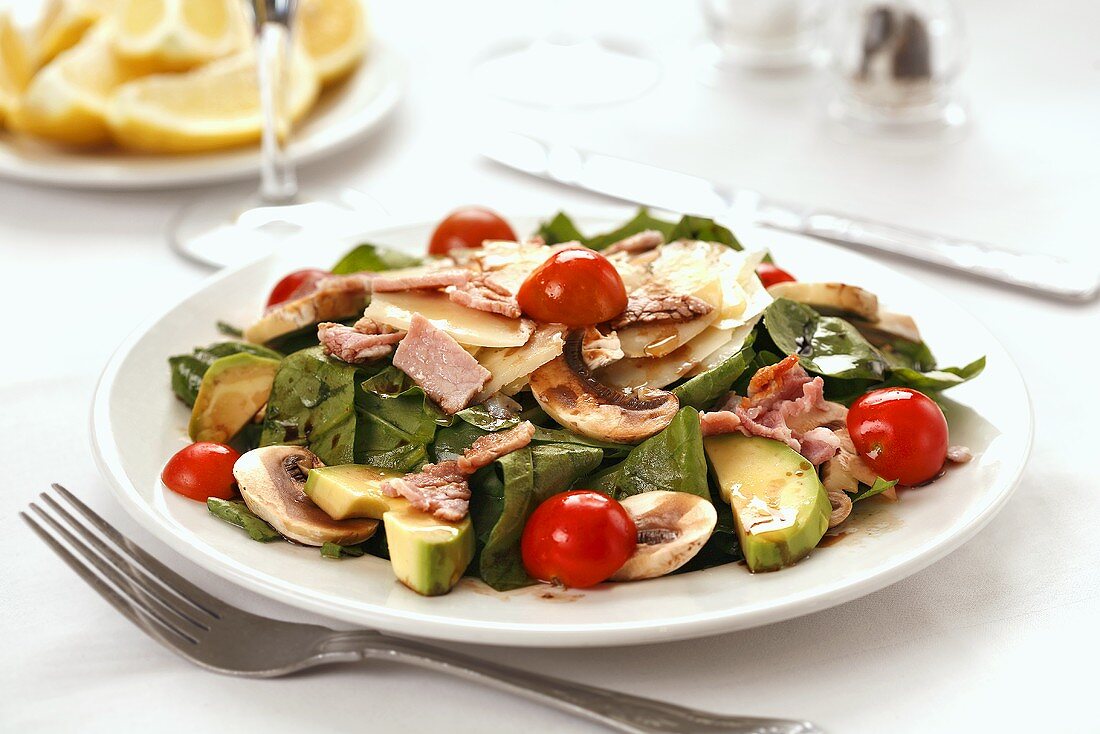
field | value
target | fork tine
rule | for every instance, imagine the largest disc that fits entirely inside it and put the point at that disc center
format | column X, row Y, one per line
column 174, row 603
column 172, row 580
column 124, row 585
column 151, row 624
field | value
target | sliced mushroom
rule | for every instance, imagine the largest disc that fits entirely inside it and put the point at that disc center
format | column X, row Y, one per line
column 888, row 327
column 672, row 527
column 336, row 298
column 831, row 297
column 271, row 481
column 566, row 389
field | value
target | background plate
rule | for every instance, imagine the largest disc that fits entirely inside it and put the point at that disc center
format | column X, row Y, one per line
column 343, row 114
column 138, row 424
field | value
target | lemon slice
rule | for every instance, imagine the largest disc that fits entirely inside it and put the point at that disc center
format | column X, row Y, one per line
column 214, row 106
column 15, row 65
column 334, row 34
column 63, row 23
column 177, row 35
column 67, row 100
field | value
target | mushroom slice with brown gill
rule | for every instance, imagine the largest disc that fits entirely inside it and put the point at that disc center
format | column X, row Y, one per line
column 672, row 527
column 831, row 298
column 271, row 481
column 566, row 389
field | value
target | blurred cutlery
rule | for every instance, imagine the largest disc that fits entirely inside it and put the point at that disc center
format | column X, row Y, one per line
column 679, row 192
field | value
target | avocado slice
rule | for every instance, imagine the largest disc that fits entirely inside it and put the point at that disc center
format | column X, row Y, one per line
column 780, row 507
column 428, row 555
column 233, row 390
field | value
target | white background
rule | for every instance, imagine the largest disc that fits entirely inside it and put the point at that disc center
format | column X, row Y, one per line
column 985, row 640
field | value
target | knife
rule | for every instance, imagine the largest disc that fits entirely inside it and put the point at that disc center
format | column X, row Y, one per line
column 661, row 188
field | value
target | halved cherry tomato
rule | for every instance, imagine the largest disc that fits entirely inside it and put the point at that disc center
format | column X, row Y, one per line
column 578, row 539
column 900, row 433
column 575, row 287
column 299, row 280
column 202, row 470
column 771, row 274
column 469, row 227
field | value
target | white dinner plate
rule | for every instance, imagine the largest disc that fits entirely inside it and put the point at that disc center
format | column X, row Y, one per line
column 344, row 113
column 138, row 424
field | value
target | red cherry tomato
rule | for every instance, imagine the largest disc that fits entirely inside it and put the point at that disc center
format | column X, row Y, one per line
column 469, row 227
column 299, row 280
column 202, row 470
column 771, row 274
column 900, row 433
column 575, row 287
column 578, row 539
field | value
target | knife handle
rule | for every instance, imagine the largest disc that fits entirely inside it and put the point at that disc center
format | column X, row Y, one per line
column 1043, row 273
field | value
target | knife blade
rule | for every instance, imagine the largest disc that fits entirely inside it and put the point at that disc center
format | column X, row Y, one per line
column 662, row 188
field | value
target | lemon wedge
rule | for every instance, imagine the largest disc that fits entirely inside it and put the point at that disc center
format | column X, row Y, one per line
column 177, row 35
column 15, row 65
column 62, row 23
column 67, row 100
column 214, row 106
column 334, row 34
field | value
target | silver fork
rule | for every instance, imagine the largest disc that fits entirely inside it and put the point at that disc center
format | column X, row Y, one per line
column 222, row 638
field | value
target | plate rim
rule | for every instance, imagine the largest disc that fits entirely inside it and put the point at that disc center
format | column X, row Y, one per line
column 238, row 163
column 501, row 633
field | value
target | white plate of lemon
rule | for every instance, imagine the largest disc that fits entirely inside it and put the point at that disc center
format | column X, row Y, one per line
column 123, row 94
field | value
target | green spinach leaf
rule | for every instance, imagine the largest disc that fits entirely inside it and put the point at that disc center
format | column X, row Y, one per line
column 374, row 259
column 506, row 496
column 671, row 460
column 237, row 513
column 701, row 228
column 314, row 403
column 937, row 379
column 826, row 345
column 880, row 486
column 702, row 390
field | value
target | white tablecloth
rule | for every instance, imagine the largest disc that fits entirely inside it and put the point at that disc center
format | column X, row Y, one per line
column 984, row 640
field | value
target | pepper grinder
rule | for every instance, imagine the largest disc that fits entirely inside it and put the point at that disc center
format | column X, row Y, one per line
column 895, row 63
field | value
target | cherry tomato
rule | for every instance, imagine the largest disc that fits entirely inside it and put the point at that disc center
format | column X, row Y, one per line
column 202, row 470
column 299, row 280
column 578, row 539
column 469, row 227
column 771, row 274
column 900, row 433
column 575, row 287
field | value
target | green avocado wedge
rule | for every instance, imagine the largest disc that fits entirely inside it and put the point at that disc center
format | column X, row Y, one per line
column 779, row 505
column 233, row 391
column 427, row 554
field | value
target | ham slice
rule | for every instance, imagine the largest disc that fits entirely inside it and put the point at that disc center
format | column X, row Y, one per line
column 441, row 489
column 484, row 294
column 364, row 342
column 492, row 446
column 434, row 280
column 786, row 405
column 646, row 306
column 446, row 372
column 640, row 242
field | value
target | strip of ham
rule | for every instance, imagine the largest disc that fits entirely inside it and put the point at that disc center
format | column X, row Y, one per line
column 784, row 404
column 484, row 294
column 640, row 242
column 645, row 306
column 441, row 489
column 492, row 446
column 434, row 280
column 599, row 349
column 354, row 345
column 446, row 372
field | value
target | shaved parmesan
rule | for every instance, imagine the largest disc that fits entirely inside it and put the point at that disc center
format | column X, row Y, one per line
column 468, row 326
column 662, row 371
column 514, row 363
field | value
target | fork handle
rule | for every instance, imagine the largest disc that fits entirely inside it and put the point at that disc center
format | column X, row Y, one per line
column 618, row 711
